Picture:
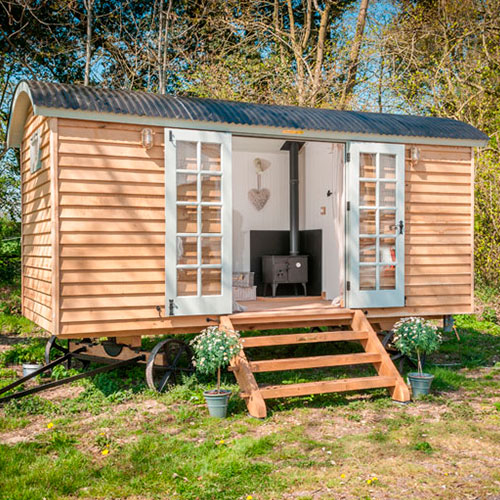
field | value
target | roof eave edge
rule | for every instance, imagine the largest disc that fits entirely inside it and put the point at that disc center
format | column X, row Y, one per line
column 252, row 130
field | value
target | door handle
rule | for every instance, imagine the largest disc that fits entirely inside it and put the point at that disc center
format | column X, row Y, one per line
column 400, row 225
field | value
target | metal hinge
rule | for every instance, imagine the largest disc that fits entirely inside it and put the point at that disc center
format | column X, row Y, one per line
column 348, row 206
column 348, row 157
column 348, row 286
column 171, row 307
column 170, row 136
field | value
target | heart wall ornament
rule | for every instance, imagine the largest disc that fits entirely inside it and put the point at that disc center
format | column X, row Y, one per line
column 259, row 197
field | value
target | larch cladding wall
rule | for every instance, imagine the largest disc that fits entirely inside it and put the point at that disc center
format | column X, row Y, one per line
column 36, row 227
column 112, row 228
column 439, row 201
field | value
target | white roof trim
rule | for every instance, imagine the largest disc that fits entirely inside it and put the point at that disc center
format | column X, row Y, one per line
column 21, row 103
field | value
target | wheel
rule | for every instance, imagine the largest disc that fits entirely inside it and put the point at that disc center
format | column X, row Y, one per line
column 53, row 346
column 168, row 359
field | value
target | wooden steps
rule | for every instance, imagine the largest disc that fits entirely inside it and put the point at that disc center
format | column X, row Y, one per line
column 359, row 330
column 325, row 386
column 275, row 365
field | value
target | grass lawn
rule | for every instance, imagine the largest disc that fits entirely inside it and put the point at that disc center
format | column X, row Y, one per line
column 110, row 437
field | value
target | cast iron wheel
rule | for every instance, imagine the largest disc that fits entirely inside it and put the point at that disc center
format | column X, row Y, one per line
column 177, row 358
column 53, row 346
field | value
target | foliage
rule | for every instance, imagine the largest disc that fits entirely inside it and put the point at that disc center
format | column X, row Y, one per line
column 213, row 350
column 32, row 351
column 416, row 336
column 10, row 248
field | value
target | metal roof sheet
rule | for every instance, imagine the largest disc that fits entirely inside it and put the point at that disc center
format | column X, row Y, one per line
column 122, row 102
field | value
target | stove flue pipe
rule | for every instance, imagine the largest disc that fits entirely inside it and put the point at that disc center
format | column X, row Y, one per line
column 293, row 149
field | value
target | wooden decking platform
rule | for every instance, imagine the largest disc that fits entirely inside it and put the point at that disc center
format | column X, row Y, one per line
column 342, row 325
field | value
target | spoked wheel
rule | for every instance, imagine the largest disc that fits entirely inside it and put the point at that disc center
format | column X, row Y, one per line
column 54, row 349
column 167, row 361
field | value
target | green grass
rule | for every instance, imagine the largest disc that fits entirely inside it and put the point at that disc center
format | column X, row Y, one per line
column 166, row 446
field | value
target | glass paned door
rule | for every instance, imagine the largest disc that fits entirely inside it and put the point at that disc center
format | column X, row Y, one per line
column 376, row 225
column 198, row 243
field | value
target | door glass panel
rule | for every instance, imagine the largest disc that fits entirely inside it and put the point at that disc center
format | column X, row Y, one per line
column 388, row 278
column 367, row 249
column 387, row 194
column 388, row 166
column 211, row 188
column 186, row 187
column 211, row 219
column 187, row 250
column 211, row 281
column 210, row 157
column 387, row 248
column 367, row 193
column 187, row 155
column 367, row 165
column 186, row 218
column 367, row 222
column 387, row 222
column 187, row 282
column 211, row 250
column 367, row 277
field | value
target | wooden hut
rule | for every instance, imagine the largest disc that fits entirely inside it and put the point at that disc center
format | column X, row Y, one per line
column 140, row 212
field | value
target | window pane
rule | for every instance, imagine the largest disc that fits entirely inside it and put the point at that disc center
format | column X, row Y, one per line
column 211, row 281
column 367, row 162
column 211, row 250
column 210, row 219
column 388, row 278
column 387, row 222
column 367, row 193
column 210, row 157
column 387, row 249
column 211, row 188
column 387, row 194
column 387, row 166
column 367, row 249
column 367, row 222
column 187, row 282
column 187, row 219
column 367, row 277
column 187, row 250
column 186, row 155
column 186, row 187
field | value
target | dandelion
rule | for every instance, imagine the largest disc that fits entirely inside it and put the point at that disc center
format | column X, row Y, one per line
column 221, row 441
column 342, row 476
column 249, row 497
column 102, row 434
column 50, row 425
column 105, row 451
column 368, row 481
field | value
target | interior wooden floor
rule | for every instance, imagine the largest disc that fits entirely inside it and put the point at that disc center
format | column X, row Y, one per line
column 286, row 304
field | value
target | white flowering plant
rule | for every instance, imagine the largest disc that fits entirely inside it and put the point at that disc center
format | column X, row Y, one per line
column 416, row 336
column 213, row 349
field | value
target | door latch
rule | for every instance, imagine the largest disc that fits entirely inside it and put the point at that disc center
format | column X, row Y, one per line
column 171, row 307
column 400, row 225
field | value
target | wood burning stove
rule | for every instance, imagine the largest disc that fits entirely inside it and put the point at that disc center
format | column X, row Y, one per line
column 279, row 269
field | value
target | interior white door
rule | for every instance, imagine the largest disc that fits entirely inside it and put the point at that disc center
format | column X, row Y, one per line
column 198, row 208
column 375, row 225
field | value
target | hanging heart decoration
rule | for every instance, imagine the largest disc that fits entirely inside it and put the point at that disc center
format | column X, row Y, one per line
column 259, row 197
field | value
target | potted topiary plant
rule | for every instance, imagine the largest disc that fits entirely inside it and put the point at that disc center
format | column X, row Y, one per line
column 213, row 350
column 417, row 336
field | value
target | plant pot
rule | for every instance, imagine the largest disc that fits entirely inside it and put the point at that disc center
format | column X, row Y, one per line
column 217, row 402
column 420, row 383
column 29, row 368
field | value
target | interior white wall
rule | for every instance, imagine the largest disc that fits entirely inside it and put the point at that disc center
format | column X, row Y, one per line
column 320, row 170
column 274, row 215
column 323, row 171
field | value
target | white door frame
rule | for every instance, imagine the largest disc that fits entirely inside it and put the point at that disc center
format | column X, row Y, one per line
column 355, row 297
column 197, row 304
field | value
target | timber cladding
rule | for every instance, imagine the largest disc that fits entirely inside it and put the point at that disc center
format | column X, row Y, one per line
column 93, row 258
column 36, row 219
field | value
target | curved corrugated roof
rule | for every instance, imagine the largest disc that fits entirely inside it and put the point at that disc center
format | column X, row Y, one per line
column 121, row 102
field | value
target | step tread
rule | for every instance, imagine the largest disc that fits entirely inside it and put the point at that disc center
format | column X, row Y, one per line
column 325, row 386
column 271, row 365
column 303, row 338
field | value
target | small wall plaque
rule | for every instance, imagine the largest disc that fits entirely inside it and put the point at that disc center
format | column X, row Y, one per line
column 35, row 153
